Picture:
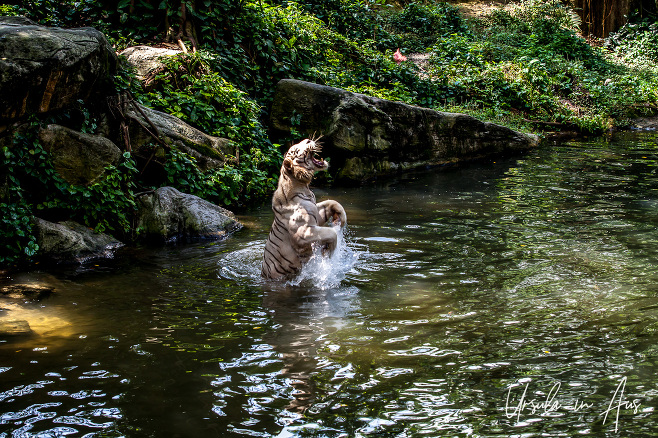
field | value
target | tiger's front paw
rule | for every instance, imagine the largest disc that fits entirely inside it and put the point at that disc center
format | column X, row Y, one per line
column 340, row 217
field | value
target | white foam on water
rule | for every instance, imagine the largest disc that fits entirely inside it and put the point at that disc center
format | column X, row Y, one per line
column 323, row 272
column 319, row 272
column 243, row 264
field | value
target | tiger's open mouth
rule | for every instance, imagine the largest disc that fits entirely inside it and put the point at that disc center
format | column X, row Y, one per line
column 318, row 161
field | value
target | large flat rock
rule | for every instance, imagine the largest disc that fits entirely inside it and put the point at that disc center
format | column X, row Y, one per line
column 367, row 137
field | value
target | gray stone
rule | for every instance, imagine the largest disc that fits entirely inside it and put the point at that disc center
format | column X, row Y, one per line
column 79, row 158
column 645, row 123
column 146, row 60
column 168, row 215
column 18, row 21
column 43, row 69
column 366, row 136
column 210, row 152
column 70, row 242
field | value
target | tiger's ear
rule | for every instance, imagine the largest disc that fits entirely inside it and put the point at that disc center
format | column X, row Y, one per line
column 287, row 163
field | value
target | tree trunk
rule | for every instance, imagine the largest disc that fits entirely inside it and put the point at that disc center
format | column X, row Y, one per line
column 600, row 17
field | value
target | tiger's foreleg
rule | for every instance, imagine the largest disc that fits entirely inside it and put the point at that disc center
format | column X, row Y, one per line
column 310, row 236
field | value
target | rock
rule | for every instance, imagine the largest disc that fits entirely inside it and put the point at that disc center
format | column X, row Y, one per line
column 208, row 151
column 79, row 158
column 366, row 136
column 70, row 242
column 168, row 215
column 22, row 291
column 26, row 287
column 44, row 69
column 18, row 21
column 645, row 123
column 146, row 60
column 15, row 328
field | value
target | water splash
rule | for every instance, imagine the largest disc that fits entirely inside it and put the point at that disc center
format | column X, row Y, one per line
column 327, row 272
column 319, row 272
column 243, row 264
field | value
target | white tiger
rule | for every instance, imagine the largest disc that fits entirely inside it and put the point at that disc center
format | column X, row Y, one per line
column 298, row 221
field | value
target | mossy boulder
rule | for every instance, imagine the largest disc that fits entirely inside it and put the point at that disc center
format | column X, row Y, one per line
column 209, row 151
column 367, row 137
column 79, row 158
column 167, row 215
column 71, row 242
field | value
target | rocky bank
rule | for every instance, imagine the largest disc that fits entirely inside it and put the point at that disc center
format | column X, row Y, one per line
column 45, row 71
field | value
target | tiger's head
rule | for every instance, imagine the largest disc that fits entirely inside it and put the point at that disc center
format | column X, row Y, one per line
column 302, row 160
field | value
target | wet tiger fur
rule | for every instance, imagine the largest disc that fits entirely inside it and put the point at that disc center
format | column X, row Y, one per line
column 298, row 220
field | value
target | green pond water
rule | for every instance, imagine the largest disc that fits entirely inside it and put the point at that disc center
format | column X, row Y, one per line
column 515, row 297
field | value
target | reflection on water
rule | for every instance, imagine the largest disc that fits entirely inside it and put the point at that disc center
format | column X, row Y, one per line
column 497, row 299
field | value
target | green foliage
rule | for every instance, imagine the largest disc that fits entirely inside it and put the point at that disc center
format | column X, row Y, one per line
column 105, row 206
column 124, row 23
column 554, row 12
column 539, row 29
column 9, row 10
column 527, row 62
column 221, row 186
column 35, row 188
column 421, row 24
column 228, row 185
column 636, row 43
column 270, row 43
column 190, row 90
column 187, row 88
column 359, row 20
column 422, row 19
column 377, row 24
column 18, row 241
column 65, row 13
